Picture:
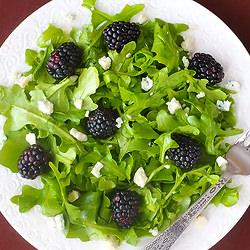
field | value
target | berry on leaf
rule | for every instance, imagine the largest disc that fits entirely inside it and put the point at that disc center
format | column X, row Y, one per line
column 188, row 152
column 33, row 162
column 125, row 206
column 120, row 33
column 102, row 124
column 64, row 60
column 206, row 67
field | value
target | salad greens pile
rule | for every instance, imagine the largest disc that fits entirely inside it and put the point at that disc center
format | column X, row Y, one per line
column 142, row 140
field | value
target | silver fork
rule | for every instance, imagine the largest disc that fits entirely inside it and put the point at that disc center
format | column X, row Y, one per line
column 238, row 158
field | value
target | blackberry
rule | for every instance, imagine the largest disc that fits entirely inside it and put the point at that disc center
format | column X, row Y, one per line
column 188, row 152
column 206, row 67
column 64, row 60
column 125, row 206
column 120, row 33
column 102, row 123
column 33, row 162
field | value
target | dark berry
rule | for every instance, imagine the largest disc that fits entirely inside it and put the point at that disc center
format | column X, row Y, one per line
column 64, row 60
column 102, row 124
column 120, row 33
column 33, row 161
column 188, row 152
column 125, row 206
column 206, row 67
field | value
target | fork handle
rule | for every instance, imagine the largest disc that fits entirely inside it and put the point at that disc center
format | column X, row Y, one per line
column 168, row 237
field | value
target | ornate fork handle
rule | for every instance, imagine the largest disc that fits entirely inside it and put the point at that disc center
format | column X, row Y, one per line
column 167, row 238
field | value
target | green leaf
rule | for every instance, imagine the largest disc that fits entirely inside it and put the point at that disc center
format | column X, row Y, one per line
column 28, row 199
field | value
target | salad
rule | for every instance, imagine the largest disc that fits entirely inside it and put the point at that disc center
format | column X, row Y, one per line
column 150, row 108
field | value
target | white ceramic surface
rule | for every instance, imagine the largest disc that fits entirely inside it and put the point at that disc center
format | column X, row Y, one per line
column 211, row 36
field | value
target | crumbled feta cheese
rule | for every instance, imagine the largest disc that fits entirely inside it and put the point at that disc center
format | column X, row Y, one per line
column 96, row 169
column 200, row 95
column 111, row 244
column 22, row 81
column 31, row 138
column 187, row 110
column 73, row 196
column 129, row 116
column 200, row 221
column 222, row 163
column 146, row 83
column 73, row 78
column 15, row 75
column 185, row 62
column 105, row 62
column 188, row 44
column 46, row 107
column 173, row 105
column 70, row 17
column 87, row 113
column 57, row 222
column 31, row 93
column 140, row 178
column 151, row 93
column 78, row 135
column 166, row 157
column 142, row 19
column 167, row 166
column 223, row 106
column 233, row 86
column 67, row 30
column 154, row 231
column 119, row 122
column 128, row 55
column 78, row 103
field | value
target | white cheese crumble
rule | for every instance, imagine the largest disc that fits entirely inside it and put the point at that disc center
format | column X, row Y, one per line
column 119, row 122
column 22, row 81
column 46, row 107
column 167, row 166
column 200, row 95
column 73, row 78
column 57, row 222
column 105, row 62
column 70, row 17
column 73, row 196
column 222, row 163
column 31, row 138
column 185, row 62
column 188, row 44
column 78, row 135
column 78, row 103
column 129, row 116
column 140, row 178
column 223, row 106
column 154, row 231
column 146, row 83
column 187, row 110
column 142, row 19
column 173, row 105
column 233, row 86
column 96, row 169
column 111, row 244
column 200, row 221
column 87, row 113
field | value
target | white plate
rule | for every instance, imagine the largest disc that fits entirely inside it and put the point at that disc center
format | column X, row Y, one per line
column 211, row 36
